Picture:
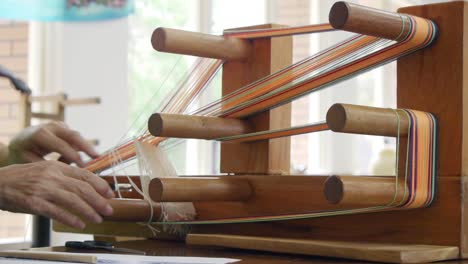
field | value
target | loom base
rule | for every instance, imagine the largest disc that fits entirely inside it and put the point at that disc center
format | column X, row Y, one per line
column 389, row 253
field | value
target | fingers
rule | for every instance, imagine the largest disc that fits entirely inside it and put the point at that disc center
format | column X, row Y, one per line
column 82, row 193
column 87, row 193
column 50, row 210
column 53, row 137
column 55, row 190
column 74, row 138
column 47, row 140
column 75, row 204
column 100, row 185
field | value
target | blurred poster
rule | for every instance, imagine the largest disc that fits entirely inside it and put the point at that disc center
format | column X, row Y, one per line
column 65, row 10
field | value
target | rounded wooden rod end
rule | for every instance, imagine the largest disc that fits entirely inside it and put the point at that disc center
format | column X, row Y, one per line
column 200, row 44
column 366, row 120
column 338, row 14
column 155, row 124
column 201, row 127
column 368, row 21
column 333, row 189
column 336, row 117
column 133, row 210
column 158, row 39
column 156, row 189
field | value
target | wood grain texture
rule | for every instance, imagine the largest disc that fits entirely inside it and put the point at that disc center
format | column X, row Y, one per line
column 189, row 126
column 200, row 45
column 191, row 189
column 365, row 120
column 269, row 156
column 367, row 21
column 108, row 228
column 436, row 225
column 388, row 253
column 431, row 80
column 49, row 256
column 464, row 179
column 132, row 210
column 365, row 191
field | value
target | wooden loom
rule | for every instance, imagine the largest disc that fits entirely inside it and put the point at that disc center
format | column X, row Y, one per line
column 431, row 80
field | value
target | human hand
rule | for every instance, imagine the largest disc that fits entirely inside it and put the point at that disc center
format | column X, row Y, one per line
column 53, row 189
column 34, row 142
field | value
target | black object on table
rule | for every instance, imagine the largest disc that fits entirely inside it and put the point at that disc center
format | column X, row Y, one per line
column 96, row 245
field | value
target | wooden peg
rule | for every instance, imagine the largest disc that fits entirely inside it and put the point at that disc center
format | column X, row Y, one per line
column 81, row 101
column 365, row 190
column 357, row 119
column 185, row 189
column 48, row 116
column 201, row 45
column 201, row 127
column 368, row 21
column 132, row 210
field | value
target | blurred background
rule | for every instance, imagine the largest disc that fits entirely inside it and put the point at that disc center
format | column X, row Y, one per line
column 112, row 59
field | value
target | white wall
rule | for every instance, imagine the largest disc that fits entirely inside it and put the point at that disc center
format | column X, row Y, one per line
column 94, row 61
column 86, row 59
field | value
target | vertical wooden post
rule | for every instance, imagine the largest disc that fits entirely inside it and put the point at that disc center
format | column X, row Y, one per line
column 267, row 157
column 25, row 110
column 436, row 80
column 60, row 107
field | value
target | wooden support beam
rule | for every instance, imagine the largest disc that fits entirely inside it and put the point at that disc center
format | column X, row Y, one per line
column 56, row 117
column 81, row 101
column 55, row 98
column 268, row 156
column 388, row 253
column 201, row 127
column 132, row 210
column 201, row 45
column 63, row 100
column 185, row 189
column 368, row 21
column 365, row 191
column 357, row 119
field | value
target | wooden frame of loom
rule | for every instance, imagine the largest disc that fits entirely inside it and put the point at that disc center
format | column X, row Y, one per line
column 434, row 79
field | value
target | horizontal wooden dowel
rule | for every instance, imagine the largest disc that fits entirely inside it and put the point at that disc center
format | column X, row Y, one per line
column 132, row 210
column 368, row 21
column 63, row 100
column 185, row 189
column 55, row 98
column 56, row 117
column 48, row 256
column 201, row 127
column 201, row 45
column 357, row 119
column 364, row 190
column 81, row 101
